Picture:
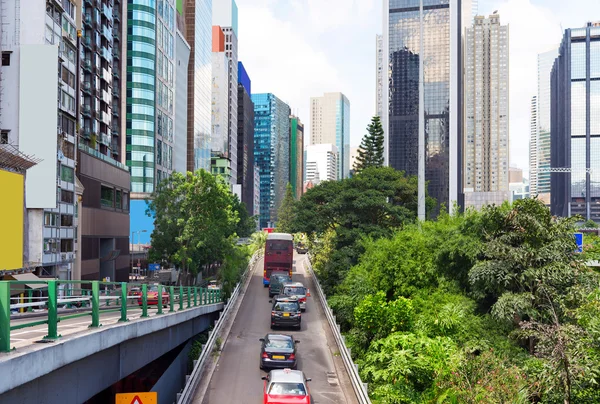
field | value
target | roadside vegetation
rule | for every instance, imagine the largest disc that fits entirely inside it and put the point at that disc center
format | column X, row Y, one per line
column 478, row 307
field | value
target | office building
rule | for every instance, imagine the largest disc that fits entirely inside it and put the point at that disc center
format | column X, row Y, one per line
column 444, row 24
column 533, row 162
column 485, row 160
column 378, row 77
column 540, row 143
column 271, row 153
column 330, row 124
column 182, row 54
column 195, row 21
column 321, row 163
column 38, row 109
column 296, row 156
column 220, row 96
column 245, row 140
column 575, row 125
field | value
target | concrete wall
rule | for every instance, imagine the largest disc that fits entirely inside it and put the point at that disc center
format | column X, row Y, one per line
column 73, row 370
column 173, row 379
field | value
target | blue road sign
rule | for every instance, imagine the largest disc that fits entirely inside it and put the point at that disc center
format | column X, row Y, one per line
column 579, row 241
column 153, row 267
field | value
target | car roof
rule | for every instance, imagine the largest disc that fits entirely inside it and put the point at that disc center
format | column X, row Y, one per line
column 284, row 298
column 279, row 336
column 294, row 284
column 280, row 236
column 287, row 375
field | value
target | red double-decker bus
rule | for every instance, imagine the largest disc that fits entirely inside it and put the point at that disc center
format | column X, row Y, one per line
column 279, row 255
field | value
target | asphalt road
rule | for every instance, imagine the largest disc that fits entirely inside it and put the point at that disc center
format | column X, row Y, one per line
column 237, row 378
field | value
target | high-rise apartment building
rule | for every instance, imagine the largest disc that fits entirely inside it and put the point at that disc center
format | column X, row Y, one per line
column 575, row 125
column 196, row 23
column 220, row 95
column 245, row 140
column 533, row 162
column 296, row 156
column 321, row 163
column 485, row 160
column 379, row 76
column 330, row 124
column 38, row 117
column 271, row 153
column 540, row 150
column 182, row 53
column 443, row 24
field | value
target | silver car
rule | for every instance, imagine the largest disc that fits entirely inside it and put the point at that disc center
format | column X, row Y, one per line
column 286, row 386
column 297, row 290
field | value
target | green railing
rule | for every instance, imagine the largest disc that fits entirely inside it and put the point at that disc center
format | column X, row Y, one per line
column 55, row 297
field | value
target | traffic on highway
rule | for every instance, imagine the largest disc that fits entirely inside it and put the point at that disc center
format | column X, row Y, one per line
column 283, row 355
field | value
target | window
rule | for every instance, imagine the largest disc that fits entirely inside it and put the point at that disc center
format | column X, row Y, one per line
column 66, row 245
column 67, row 174
column 5, row 58
column 4, row 137
column 118, row 198
column 67, row 196
column 50, row 245
column 50, row 219
column 66, row 220
column 125, row 203
column 107, row 196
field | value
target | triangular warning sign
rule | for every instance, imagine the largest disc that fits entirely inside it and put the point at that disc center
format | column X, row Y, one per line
column 136, row 400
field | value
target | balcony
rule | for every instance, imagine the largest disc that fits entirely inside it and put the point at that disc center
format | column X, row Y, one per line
column 86, row 133
column 116, row 36
column 115, row 130
column 107, row 33
column 104, row 139
column 86, row 110
column 102, row 157
column 116, row 53
column 116, row 15
column 116, row 92
column 107, row 11
column 86, row 87
column 86, row 41
column 114, row 146
column 87, row 19
column 116, row 74
column 87, row 65
column 115, row 112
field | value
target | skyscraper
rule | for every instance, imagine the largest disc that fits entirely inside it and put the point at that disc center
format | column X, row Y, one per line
column 196, row 22
column 541, row 175
column 533, row 162
column 443, row 24
column 378, row 76
column 485, row 162
column 182, row 53
column 296, row 156
column 271, row 153
column 220, row 96
column 330, row 124
column 575, row 125
column 245, row 140
column 321, row 163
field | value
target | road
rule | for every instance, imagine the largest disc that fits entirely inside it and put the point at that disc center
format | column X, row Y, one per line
column 237, row 378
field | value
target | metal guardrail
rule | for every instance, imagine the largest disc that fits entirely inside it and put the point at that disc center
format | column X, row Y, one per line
column 190, row 296
column 192, row 381
column 360, row 388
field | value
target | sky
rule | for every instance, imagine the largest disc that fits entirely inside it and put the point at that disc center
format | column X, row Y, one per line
column 299, row 49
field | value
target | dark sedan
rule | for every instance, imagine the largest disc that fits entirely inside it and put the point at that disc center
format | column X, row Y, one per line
column 278, row 351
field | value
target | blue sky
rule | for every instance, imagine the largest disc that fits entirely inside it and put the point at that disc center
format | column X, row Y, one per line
column 302, row 48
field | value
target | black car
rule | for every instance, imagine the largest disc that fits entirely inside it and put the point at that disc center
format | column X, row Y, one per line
column 301, row 248
column 285, row 312
column 276, row 283
column 278, row 351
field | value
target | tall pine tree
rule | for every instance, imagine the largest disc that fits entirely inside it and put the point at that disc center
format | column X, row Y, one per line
column 286, row 212
column 370, row 152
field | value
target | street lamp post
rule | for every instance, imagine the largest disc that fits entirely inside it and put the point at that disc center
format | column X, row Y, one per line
column 132, row 239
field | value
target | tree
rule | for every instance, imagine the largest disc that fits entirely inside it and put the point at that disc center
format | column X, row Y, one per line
column 194, row 220
column 247, row 224
column 370, row 152
column 285, row 215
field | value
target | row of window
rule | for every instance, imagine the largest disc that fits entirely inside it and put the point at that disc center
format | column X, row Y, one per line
column 56, row 220
column 114, row 198
column 55, row 246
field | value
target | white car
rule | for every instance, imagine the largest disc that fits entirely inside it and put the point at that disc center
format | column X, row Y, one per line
column 213, row 285
column 296, row 289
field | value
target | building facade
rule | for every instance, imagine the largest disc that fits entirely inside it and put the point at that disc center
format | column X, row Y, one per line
column 182, row 52
column 541, row 173
column 485, row 160
column 196, row 23
column 321, row 163
column 533, row 162
column 271, row 153
column 575, row 125
column 245, row 140
column 220, row 96
column 296, row 156
column 330, row 124
column 38, row 117
column 443, row 24
column 378, row 76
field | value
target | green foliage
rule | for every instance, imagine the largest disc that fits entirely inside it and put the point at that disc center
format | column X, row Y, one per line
column 195, row 220
column 378, row 318
column 234, row 264
column 246, row 224
column 258, row 241
column 286, row 212
column 370, row 152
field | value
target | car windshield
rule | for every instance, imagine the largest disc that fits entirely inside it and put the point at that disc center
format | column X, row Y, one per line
column 294, row 290
column 278, row 343
column 286, row 306
column 290, row 389
column 153, row 289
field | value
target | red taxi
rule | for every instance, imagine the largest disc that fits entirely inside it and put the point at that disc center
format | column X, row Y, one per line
column 286, row 386
column 152, row 296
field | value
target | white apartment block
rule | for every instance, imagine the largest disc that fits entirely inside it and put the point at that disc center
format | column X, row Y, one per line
column 533, row 149
column 486, row 146
column 379, row 76
column 330, row 124
column 321, row 163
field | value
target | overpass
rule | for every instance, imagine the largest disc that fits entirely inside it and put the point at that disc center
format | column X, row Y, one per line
column 68, row 354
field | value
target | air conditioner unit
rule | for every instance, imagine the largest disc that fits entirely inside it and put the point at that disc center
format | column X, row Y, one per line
column 51, row 240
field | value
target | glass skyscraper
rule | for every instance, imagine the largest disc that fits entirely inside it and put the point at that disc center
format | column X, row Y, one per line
column 141, row 94
column 443, row 24
column 271, row 153
column 575, row 125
